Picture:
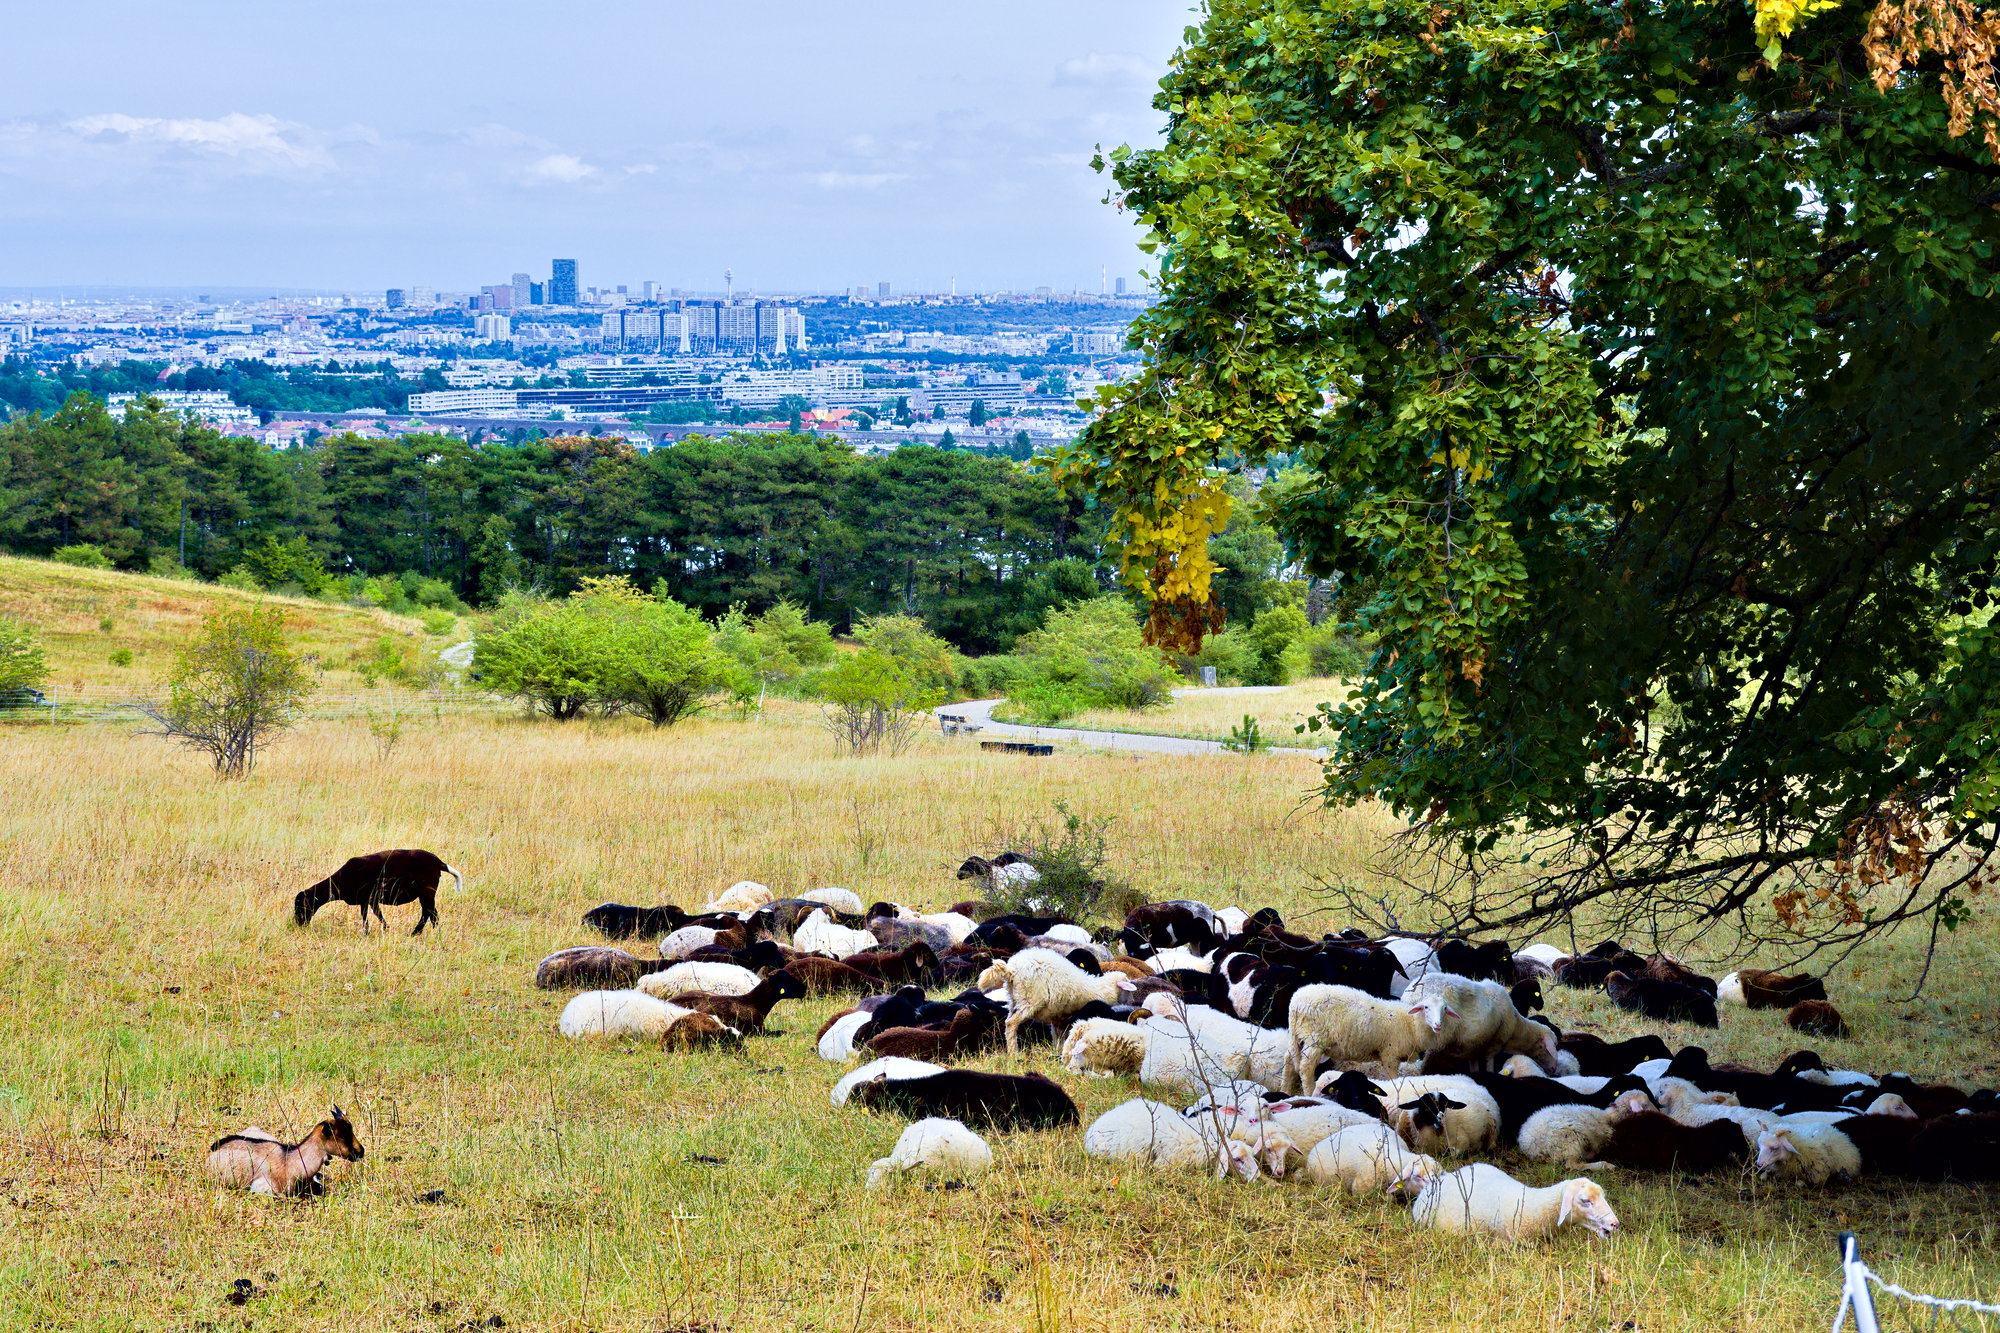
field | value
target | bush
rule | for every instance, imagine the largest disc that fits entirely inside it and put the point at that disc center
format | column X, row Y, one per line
column 1330, row 652
column 875, row 702
column 1274, row 636
column 1072, row 855
column 1232, row 655
column 233, row 688
column 1045, row 704
column 774, row 648
column 439, row 622
column 242, row 578
column 1095, row 650
column 121, row 657
column 163, row 566
column 290, row 565
column 23, row 664
column 83, row 555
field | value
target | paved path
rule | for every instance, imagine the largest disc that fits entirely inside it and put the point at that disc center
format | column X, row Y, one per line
column 979, row 712
column 458, row 657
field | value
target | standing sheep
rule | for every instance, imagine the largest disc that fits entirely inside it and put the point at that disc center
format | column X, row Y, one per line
column 1042, row 984
column 1353, row 1027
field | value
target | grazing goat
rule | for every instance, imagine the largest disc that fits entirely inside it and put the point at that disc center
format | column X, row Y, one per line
column 254, row 1160
column 378, row 880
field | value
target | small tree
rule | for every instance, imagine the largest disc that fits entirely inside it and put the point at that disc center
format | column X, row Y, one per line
column 233, row 689
column 22, row 662
column 874, row 702
column 554, row 655
column 666, row 660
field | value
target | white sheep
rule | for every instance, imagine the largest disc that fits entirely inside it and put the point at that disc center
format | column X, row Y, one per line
column 1482, row 1197
column 1158, row 1135
column 1521, row 1066
column 821, row 935
column 1749, row 1119
column 1192, row 1048
column 1414, row 958
column 1485, row 1022
column 1548, row 955
column 1354, row 1027
column 1042, row 984
column 1473, row 1125
column 710, row 978
column 1812, row 1153
column 745, row 895
column 1676, row 1095
column 626, row 1013
column 837, row 1042
column 1180, row 960
column 840, row 900
column 944, row 1146
column 956, row 924
column 1101, row 1047
column 1068, row 934
column 1231, row 920
column 1369, row 1159
column 1572, row 1134
column 1887, row 1104
column 680, row 943
column 1309, row 1125
column 890, row 1066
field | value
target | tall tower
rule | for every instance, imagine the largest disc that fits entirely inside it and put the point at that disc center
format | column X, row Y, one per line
column 729, row 284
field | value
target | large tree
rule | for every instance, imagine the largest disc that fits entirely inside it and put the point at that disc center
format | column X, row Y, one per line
column 1648, row 372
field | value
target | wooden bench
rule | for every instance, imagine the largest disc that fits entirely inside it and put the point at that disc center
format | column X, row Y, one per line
column 953, row 723
column 1017, row 747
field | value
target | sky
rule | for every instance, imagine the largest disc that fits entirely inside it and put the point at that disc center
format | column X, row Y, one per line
column 357, row 144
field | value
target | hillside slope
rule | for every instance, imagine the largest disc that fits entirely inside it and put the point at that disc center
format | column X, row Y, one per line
column 152, row 616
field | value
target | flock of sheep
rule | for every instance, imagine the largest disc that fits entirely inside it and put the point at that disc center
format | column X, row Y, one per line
column 1364, row 1063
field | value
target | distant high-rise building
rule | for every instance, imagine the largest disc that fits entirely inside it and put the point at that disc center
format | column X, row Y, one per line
column 492, row 328
column 396, row 298
column 1121, row 286
column 538, row 293
column 649, row 291
column 423, row 298
column 501, row 297
column 736, row 328
column 860, row 293
column 563, row 289
column 881, row 291
column 524, row 291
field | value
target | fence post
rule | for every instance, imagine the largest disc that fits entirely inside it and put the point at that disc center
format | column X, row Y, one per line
column 1854, row 1291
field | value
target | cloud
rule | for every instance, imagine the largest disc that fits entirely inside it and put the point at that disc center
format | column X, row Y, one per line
column 857, row 180
column 1101, row 70
column 558, row 169
column 249, row 142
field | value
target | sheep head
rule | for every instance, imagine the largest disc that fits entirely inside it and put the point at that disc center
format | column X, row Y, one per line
column 1433, row 1012
column 995, row 976
column 1234, row 1155
column 1584, row 1201
column 1774, row 1146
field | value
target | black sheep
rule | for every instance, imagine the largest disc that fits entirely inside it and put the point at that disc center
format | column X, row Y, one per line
column 1520, row 1098
column 1667, row 1001
column 1650, row 1141
column 377, row 880
column 980, row 1100
column 620, row 922
column 1492, row 961
column 1600, row 1058
column 1957, row 1147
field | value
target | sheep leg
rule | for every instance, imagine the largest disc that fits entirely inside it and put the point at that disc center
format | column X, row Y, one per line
column 1014, row 1023
column 364, row 918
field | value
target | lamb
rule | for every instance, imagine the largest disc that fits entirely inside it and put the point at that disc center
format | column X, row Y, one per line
column 1352, row 1026
column 1158, row 1135
column 1482, row 1197
column 631, row 1013
column 1573, row 1135
column 1667, row 1001
column 821, row 935
column 1369, row 1159
column 1812, row 1153
column 1101, row 1047
column 746, row 1013
column 745, row 895
column 888, row 1066
column 1482, row 1020
column 714, row 978
column 589, row 965
column 943, row 1146
column 840, row 900
column 1461, row 1120
column 986, row 1101
column 254, row 1160
column 1044, row 985
column 1761, row 988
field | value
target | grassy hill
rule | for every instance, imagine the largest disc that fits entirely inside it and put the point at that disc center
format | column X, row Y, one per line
column 86, row 615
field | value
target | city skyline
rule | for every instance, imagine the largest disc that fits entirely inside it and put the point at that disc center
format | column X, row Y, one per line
column 803, row 149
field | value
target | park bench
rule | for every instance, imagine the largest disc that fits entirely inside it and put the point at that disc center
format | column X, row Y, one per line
column 953, row 723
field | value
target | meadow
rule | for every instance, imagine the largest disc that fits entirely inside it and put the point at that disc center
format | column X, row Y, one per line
column 1211, row 715
column 158, row 997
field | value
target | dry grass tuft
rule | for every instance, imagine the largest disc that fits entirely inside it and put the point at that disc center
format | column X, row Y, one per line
column 157, row 998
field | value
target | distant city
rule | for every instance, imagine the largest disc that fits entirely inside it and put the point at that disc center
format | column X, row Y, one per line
column 642, row 360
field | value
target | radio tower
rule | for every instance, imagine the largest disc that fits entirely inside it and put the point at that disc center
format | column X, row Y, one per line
column 729, row 284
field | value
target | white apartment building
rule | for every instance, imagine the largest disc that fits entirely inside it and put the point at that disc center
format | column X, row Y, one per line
column 492, row 328
column 464, row 400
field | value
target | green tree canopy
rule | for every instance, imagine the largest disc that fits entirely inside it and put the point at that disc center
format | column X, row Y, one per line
column 233, row 688
column 1648, row 375
column 23, row 664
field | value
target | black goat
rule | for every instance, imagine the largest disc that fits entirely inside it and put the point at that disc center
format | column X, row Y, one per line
column 377, row 880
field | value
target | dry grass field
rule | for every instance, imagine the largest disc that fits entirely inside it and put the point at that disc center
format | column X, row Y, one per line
column 156, row 997
column 1210, row 715
column 150, row 617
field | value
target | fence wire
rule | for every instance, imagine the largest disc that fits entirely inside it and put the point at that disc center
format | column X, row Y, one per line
column 1858, row 1298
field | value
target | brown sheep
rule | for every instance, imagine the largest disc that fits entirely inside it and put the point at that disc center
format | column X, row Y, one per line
column 698, row 1030
column 255, row 1160
column 1666, row 967
column 1816, row 1018
column 593, row 967
column 915, row 964
column 971, row 1029
column 1761, row 988
column 746, row 1013
column 824, row 976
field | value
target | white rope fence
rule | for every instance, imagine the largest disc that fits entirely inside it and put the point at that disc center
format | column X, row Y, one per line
column 1856, row 1296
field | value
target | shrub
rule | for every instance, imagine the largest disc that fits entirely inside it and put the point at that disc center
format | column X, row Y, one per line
column 1045, row 703
column 163, row 566
column 23, row 664
column 1331, row 652
column 776, row 647
column 439, row 622
column 242, row 578
column 121, row 657
column 546, row 653
column 233, row 688
column 1274, row 636
column 1247, row 737
column 1096, row 650
column 874, row 702
column 1232, row 655
column 1072, row 855
column 83, row 555
column 929, row 660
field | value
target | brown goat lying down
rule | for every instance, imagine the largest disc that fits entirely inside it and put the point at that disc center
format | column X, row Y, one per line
column 255, row 1160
